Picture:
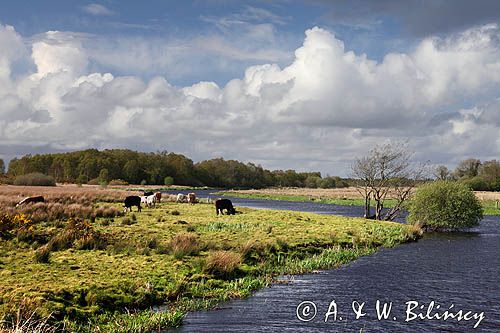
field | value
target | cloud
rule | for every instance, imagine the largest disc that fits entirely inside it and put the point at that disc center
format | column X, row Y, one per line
column 97, row 10
column 417, row 18
column 319, row 112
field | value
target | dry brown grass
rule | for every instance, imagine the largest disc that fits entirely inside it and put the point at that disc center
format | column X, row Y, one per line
column 184, row 244
column 62, row 202
column 222, row 263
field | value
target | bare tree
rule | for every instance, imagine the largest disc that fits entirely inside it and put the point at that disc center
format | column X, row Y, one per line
column 386, row 169
column 442, row 173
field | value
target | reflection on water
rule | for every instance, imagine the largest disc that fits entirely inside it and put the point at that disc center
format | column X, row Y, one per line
column 460, row 268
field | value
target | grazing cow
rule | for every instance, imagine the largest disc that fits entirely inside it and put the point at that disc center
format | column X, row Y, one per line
column 158, row 196
column 147, row 194
column 132, row 200
column 226, row 204
column 144, row 200
column 151, row 200
column 28, row 200
column 181, row 198
column 191, row 197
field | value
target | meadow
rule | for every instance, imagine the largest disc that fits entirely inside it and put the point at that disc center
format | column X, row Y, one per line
column 92, row 268
column 343, row 196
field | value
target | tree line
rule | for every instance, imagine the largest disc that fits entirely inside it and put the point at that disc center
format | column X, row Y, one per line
column 480, row 176
column 161, row 168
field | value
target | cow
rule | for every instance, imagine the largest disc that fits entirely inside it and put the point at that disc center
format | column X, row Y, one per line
column 191, row 198
column 226, row 204
column 147, row 194
column 144, row 200
column 132, row 200
column 28, row 200
column 158, row 196
column 151, row 200
column 181, row 198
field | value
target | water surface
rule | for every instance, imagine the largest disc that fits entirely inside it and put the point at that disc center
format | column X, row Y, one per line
column 459, row 269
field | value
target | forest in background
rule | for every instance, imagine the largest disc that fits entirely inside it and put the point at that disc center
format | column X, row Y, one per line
column 161, row 168
column 117, row 166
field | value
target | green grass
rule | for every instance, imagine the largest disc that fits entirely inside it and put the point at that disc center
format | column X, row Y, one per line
column 90, row 290
column 488, row 205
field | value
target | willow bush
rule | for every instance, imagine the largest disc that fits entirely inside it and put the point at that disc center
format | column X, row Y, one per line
column 444, row 205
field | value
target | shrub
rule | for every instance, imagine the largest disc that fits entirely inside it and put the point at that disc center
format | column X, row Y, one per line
column 222, row 264
column 168, row 181
column 184, row 244
column 118, row 182
column 444, row 205
column 35, row 179
column 95, row 181
column 82, row 179
column 79, row 233
column 144, row 182
column 476, row 183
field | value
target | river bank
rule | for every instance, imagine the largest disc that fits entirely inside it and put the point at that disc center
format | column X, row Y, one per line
column 178, row 256
column 342, row 197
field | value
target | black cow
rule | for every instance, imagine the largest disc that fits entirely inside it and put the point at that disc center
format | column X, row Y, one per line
column 28, row 200
column 226, row 204
column 147, row 194
column 132, row 200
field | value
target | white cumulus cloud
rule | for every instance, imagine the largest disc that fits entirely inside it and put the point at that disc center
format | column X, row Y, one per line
column 327, row 106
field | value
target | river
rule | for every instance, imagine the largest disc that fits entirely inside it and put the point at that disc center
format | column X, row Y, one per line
column 457, row 270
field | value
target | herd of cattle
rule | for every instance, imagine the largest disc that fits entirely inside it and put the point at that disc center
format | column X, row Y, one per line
column 149, row 199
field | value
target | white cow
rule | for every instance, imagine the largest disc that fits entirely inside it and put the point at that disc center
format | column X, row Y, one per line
column 151, row 200
column 181, row 198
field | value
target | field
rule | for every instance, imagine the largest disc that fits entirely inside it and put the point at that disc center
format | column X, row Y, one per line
column 343, row 196
column 93, row 269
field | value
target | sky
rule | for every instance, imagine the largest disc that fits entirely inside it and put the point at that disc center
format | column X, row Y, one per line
column 307, row 85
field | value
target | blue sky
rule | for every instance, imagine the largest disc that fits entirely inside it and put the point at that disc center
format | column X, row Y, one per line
column 289, row 84
column 173, row 20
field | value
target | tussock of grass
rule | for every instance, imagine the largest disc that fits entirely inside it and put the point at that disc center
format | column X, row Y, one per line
column 222, row 264
column 184, row 244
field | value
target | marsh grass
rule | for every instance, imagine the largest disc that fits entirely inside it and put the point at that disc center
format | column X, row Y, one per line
column 222, row 264
column 151, row 263
column 184, row 244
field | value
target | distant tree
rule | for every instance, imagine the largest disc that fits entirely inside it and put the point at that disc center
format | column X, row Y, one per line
column 442, row 173
column 2, row 167
column 168, row 181
column 104, row 175
column 444, row 205
column 490, row 171
column 312, row 181
column 468, row 168
column 386, row 170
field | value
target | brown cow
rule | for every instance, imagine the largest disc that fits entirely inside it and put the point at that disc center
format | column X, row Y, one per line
column 191, row 198
column 28, row 200
column 158, row 196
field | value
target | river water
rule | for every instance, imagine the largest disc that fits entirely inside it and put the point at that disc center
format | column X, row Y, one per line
column 457, row 270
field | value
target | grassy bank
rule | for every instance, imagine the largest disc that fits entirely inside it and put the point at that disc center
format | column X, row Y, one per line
column 489, row 206
column 85, row 274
